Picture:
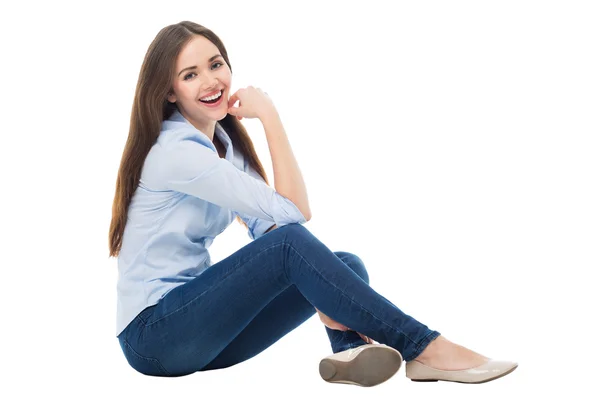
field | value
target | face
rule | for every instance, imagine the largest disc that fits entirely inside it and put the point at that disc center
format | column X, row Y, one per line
column 201, row 71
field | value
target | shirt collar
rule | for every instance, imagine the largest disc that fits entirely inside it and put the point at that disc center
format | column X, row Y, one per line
column 221, row 134
column 177, row 116
column 219, row 131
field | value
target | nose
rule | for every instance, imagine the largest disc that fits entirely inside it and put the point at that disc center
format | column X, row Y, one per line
column 210, row 83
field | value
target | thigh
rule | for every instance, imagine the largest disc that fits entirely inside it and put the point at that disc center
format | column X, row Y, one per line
column 282, row 315
column 194, row 322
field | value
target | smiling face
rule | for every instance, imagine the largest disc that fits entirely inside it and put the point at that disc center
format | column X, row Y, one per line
column 201, row 72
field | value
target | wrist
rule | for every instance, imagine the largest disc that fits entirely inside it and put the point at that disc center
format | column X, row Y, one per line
column 268, row 115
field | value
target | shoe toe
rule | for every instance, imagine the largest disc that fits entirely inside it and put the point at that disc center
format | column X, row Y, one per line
column 492, row 369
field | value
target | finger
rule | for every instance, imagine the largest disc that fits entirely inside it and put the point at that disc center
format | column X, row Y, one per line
column 236, row 111
column 234, row 97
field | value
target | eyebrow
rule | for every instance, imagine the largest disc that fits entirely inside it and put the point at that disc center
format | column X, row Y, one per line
column 194, row 66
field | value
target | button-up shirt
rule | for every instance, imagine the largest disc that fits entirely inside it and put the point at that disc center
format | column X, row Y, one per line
column 187, row 195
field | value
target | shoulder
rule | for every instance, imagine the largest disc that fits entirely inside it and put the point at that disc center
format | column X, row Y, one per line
column 174, row 133
column 176, row 152
column 181, row 153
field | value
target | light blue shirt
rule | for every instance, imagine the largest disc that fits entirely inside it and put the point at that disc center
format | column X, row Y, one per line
column 187, row 195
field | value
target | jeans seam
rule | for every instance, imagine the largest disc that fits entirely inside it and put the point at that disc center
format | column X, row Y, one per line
column 345, row 295
column 150, row 359
column 143, row 320
column 234, row 269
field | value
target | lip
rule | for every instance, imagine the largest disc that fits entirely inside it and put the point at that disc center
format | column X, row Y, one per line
column 217, row 104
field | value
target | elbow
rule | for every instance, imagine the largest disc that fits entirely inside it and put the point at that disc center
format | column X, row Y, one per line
column 307, row 216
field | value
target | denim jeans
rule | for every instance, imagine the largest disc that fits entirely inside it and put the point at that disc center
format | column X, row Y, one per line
column 246, row 302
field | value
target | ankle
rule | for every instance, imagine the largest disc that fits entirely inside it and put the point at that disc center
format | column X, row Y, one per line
column 433, row 350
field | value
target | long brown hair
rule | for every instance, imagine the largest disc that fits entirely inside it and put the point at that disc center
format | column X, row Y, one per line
column 150, row 108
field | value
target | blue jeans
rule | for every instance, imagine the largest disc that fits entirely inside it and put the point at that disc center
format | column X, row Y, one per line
column 246, row 302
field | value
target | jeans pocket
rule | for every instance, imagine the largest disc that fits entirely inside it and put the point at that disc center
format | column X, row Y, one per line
column 143, row 365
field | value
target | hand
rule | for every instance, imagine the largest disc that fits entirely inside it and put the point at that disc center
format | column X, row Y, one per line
column 331, row 324
column 365, row 338
column 254, row 103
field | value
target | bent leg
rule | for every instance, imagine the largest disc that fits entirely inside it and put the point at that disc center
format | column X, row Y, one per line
column 285, row 313
column 339, row 293
column 344, row 340
column 196, row 321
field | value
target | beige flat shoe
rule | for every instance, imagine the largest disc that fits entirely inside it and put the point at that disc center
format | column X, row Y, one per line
column 492, row 369
column 366, row 365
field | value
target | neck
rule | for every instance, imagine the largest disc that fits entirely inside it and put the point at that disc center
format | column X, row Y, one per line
column 206, row 127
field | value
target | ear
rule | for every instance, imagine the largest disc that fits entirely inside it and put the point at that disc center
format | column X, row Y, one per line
column 171, row 97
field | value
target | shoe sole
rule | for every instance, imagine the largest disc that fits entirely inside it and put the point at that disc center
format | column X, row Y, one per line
column 370, row 367
column 448, row 380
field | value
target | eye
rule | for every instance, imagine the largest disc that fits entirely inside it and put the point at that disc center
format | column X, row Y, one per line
column 185, row 78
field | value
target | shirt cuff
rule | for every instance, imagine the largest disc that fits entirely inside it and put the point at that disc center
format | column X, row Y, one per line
column 259, row 228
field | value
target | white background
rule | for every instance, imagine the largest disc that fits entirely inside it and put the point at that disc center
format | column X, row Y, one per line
column 453, row 146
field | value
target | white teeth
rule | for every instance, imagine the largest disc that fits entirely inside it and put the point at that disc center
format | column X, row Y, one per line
column 209, row 98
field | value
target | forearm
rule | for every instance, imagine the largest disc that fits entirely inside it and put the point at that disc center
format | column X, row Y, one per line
column 288, row 178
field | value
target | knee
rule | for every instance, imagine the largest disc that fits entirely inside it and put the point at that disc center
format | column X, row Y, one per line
column 294, row 234
column 293, row 229
column 293, row 226
column 355, row 263
column 350, row 259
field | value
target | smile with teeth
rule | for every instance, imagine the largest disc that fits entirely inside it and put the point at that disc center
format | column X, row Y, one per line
column 212, row 99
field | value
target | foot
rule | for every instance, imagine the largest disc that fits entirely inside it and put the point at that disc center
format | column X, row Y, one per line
column 366, row 365
column 445, row 355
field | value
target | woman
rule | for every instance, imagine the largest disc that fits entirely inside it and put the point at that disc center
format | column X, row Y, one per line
column 188, row 169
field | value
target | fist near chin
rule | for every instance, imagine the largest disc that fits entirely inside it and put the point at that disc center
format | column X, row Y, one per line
column 253, row 103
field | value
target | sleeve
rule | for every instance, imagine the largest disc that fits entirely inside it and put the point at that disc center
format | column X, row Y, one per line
column 256, row 226
column 192, row 168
